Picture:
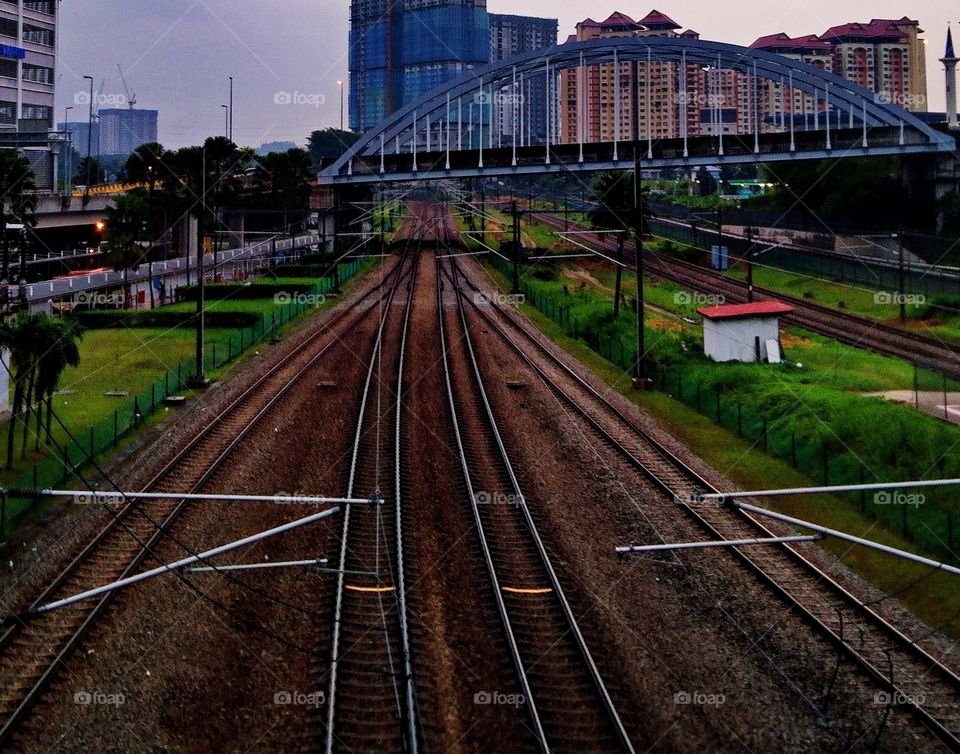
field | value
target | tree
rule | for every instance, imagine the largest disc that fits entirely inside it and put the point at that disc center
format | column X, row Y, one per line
column 58, row 347
column 18, row 202
column 328, row 144
column 20, row 337
column 126, row 222
column 282, row 181
column 97, row 173
column 145, row 165
column 616, row 204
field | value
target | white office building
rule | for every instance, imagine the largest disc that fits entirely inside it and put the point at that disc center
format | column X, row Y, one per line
column 28, row 63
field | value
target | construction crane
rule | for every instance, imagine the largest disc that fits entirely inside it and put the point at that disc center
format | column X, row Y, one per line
column 131, row 96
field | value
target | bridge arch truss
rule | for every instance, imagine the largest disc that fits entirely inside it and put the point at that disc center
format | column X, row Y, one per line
column 434, row 137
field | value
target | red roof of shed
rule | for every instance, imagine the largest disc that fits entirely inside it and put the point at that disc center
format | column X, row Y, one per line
column 739, row 311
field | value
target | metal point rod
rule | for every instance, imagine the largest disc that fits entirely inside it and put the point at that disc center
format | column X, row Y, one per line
column 722, row 543
column 108, row 495
column 880, row 486
column 902, row 554
column 259, row 566
column 183, row 562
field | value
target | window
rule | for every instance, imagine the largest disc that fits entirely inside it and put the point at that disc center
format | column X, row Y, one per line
column 8, row 113
column 8, row 68
column 8, row 27
column 37, row 112
column 37, row 73
column 40, row 6
column 37, row 35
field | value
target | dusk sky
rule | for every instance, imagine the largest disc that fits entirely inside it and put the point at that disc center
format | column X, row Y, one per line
column 178, row 54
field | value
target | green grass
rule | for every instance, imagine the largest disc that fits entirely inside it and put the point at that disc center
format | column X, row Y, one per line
column 934, row 598
column 821, row 403
column 111, row 361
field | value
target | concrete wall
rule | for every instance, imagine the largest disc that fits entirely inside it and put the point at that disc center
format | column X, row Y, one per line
column 735, row 339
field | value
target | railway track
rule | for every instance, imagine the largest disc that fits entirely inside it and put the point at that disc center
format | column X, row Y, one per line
column 31, row 654
column 918, row 348
column 565, row 697
column 912, row 678
column 370, row 697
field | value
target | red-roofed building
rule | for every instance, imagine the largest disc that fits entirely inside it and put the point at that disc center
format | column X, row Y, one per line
column 657, row 21
column 885, row 56
column 743, row 332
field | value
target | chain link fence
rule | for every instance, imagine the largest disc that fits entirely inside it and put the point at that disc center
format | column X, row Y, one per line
column 70, row 455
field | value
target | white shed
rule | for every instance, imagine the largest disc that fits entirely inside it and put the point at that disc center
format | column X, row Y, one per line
column 743, row 332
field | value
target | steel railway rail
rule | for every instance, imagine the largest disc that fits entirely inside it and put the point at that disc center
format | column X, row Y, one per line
column 854, row 330
column 910, row 675
column 370, row 680
column 565, row 696
column 31, row 654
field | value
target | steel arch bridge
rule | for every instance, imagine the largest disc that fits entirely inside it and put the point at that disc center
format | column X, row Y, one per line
column 433, row 139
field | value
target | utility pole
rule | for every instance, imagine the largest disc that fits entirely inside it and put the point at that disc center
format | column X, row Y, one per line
column 516, row 248
column 640, row 368
column 200, row 379
column 483, row 215
column 749, row 264
column 89, row 137
column 383, row 221
column 231, row 110
column 901, row 268
column 616, row 294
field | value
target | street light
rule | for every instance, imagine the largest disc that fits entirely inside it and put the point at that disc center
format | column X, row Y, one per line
column 226, row 120
column 89, row 134
column 230, row 111
column 68, row 157
column 340, row 84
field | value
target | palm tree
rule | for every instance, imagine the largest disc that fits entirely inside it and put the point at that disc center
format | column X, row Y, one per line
column 59, row 348
column 282, row 180
column 146, row 165
column 20, row 337
column 18, row 201
column 125, row 222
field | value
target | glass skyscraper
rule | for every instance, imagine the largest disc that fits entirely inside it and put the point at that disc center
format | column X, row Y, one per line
column 401, row 49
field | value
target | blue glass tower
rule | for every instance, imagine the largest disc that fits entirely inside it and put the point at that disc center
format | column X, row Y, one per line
column 401, row 49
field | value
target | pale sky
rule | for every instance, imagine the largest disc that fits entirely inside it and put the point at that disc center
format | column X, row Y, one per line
column 177, row 54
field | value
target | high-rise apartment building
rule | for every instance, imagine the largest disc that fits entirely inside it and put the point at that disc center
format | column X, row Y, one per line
column 28, row 63
column 648, row 104
column 123, row 130
column 885, row 56
column 523, row 109
column 402, row 49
